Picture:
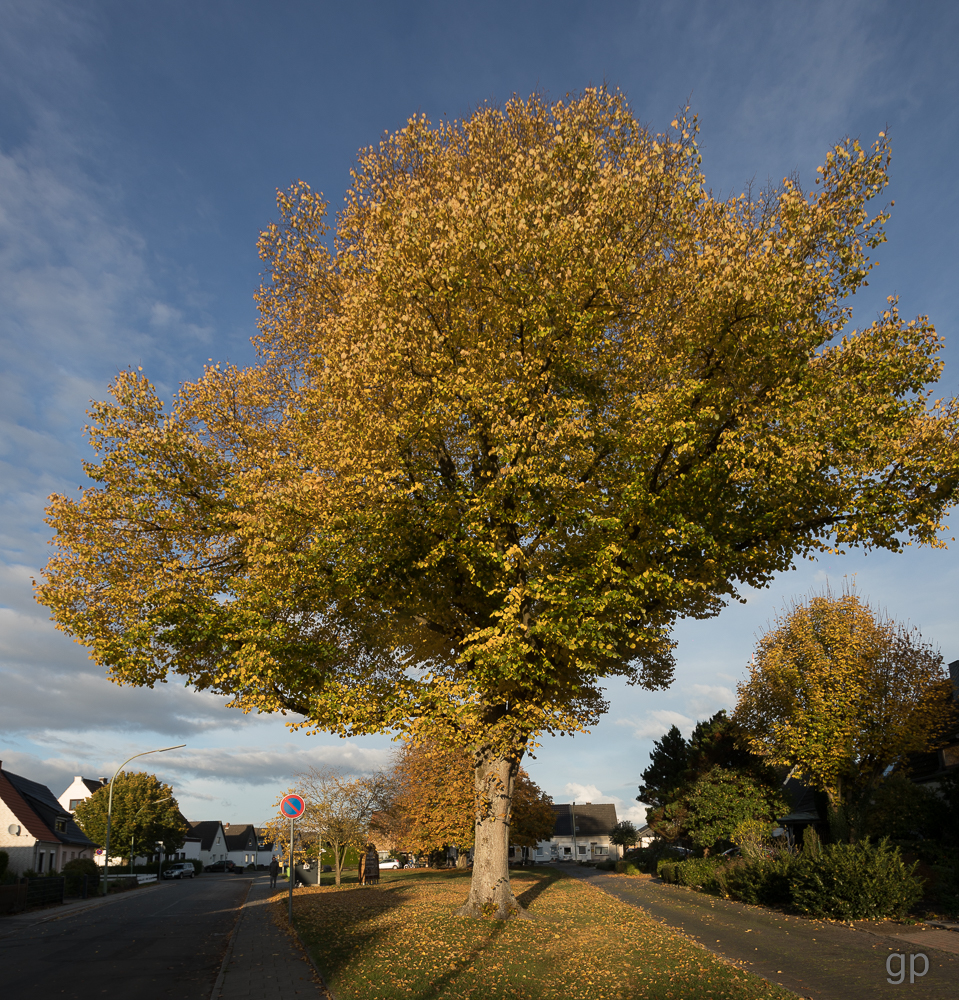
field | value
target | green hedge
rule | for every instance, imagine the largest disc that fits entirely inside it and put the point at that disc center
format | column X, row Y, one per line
column 855, row 882
column 841, row 881
column 761, row 880
column 707, row 874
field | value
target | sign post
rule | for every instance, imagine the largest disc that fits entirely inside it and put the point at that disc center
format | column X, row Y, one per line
column 292, row 806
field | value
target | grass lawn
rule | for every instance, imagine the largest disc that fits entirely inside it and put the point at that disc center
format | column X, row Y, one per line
column 400, row 940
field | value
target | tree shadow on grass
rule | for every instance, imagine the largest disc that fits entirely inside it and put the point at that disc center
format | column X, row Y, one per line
column 337, row 925
column 543, row 881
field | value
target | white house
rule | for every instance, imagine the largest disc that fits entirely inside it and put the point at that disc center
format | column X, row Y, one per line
column 82, row 788
column 243, row 844
column 208, row 840
column 581, row 833
column 37, row 833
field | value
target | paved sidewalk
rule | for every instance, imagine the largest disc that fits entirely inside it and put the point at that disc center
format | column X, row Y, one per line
column 263, row 962
column 813, row 958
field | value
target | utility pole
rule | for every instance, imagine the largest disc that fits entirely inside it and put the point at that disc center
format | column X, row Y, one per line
column 572, row 820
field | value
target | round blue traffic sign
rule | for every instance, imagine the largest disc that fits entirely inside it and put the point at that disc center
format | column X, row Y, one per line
column 292, row 806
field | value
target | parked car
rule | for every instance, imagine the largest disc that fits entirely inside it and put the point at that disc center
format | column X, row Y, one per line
column 223, row 866
column 180, row 870
column 389, row 863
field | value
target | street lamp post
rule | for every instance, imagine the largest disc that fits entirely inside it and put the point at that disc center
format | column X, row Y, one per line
column 106, row 846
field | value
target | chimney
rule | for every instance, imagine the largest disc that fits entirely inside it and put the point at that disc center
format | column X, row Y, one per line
column 102, row 781
column 954, row 674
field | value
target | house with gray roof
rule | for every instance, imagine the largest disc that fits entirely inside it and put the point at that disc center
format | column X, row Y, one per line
column 37, row 833
column 581, row 833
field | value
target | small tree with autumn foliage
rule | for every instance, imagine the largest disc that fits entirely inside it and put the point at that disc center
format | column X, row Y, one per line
column 433, row 804
column 838, row 694
column 541, row 395
column 337, row 817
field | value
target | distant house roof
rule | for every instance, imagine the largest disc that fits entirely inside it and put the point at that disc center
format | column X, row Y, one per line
column 36, row 808
column 241, row 837
column 94, row 784
column 205, row 831
column 591, row 820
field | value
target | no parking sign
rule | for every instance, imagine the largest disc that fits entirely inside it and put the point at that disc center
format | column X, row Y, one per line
column 292, row 806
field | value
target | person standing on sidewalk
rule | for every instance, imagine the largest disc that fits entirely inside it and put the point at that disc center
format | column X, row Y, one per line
column 274, row 871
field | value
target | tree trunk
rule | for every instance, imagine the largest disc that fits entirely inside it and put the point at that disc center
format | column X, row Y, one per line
column 490, row 892
column 339, row 859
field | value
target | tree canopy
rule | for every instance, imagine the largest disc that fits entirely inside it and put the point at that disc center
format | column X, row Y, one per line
column 702, row 788
column 840, row 694
column 144, row 813
column 542, row 394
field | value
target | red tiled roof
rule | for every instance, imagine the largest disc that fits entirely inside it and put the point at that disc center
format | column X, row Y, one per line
column 15, row 802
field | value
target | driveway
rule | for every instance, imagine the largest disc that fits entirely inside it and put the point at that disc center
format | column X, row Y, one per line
column 161, row 941
column 813, row 958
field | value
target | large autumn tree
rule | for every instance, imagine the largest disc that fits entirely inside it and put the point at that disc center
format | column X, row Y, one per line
column 840, row 694
column 540, row 395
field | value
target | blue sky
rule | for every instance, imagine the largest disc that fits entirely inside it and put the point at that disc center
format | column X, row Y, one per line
column 141, row 146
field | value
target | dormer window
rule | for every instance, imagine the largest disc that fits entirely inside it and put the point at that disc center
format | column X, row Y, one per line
column 60, row 826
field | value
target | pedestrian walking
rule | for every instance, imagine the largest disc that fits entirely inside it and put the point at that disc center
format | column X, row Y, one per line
column 274, row 871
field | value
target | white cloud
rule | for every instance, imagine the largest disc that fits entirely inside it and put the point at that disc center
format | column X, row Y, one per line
column 656, row 723
column 707, row 699
column 584, row 793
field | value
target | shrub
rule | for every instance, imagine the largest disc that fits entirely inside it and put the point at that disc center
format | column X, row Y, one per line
column 854, row 881
column 763, row 881
column 628, row 868
column 73, row 872
column 666, row 870
column 646, row 859
column 945, row 891
column 707, row 874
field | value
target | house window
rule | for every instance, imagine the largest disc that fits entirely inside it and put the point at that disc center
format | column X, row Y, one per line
column 582, row 848
column 540, row 851
column 567, row 850
column 600, row 849
column 60, row 826
column 74, row 803
column 40, row 862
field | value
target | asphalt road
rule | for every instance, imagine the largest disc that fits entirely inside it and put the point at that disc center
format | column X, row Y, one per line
column 813, row 958
column 156, row 942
